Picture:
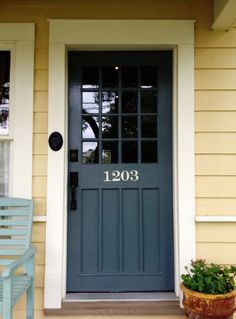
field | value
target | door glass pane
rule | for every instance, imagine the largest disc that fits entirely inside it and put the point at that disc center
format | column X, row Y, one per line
column 110, row 76
column 90, row 101
column 129, row 77
column 148, row 102
column 148, row 77
column 4, row 91
column 90, row 127
column 90, row 152
column 129, row 102
column 109, row 152
column 110, row 102
column 109, row 126
column 4, row 168
column 149, row 126
column 90, row 77
column 149, row 152
column 129, row 152
column 129, row 126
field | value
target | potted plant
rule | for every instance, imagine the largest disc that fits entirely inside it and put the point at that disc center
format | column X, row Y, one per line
column 209, row 291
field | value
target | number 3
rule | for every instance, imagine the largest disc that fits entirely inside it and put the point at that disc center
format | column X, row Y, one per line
column 134, row 175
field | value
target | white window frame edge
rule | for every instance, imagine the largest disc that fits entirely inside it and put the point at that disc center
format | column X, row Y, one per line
column 19, row 39
column 119, row 35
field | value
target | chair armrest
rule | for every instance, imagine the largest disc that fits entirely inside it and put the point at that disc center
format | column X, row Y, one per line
column 11, row 268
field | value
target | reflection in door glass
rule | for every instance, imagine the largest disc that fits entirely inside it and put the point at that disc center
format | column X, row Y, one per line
column 109, row 126
column 149, row 152
column 4, row 91
column 90, row 127
column 110, row 102
column 129, row 77
column 109, row 152
column 90, row 102
column 148, row 77
column 90, row 152
column 148, row 102
column 149, row 126
column 110, row 76
column 129, row 126
column 129, row 152
column 90, row 78
column 129, row 102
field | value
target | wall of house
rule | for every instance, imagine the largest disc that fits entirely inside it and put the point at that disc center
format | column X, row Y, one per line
column 215, row 104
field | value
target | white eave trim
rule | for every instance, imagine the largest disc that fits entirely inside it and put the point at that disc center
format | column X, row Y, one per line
column 225, row 14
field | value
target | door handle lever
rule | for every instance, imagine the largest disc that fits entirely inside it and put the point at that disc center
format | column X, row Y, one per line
column 73, row 186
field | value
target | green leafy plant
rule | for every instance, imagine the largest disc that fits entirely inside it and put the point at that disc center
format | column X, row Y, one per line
column 209, row 279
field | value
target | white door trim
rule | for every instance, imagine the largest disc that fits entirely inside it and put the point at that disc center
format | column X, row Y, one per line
column 119, row 35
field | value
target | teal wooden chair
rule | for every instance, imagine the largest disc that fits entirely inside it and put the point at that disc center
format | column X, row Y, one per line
column 16, row 217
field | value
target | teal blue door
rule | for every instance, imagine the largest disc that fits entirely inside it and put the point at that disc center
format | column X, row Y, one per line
column 120, row 227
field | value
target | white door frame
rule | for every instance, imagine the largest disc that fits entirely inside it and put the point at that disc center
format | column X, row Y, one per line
column 108, row 35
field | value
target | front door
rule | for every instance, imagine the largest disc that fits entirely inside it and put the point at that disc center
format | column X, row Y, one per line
column 120, row 227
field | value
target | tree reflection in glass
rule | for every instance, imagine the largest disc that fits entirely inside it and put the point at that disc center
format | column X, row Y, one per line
column 90, row 127
column 90, row 152
column 110, row 102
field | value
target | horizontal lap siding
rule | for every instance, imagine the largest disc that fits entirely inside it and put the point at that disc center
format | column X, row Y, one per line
column 215, row 142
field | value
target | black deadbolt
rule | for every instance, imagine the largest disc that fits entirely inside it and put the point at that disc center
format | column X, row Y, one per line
column 55, row 141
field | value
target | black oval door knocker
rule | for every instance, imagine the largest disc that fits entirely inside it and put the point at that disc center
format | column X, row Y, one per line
column 55, row 141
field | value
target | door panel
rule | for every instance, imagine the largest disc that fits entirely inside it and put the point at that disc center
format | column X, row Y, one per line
column 120, row 232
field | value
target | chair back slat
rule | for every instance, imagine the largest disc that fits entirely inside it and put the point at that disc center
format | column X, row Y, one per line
column 6, row 262
column 13, row 213
column 13, row 232
column 12, row 242
column 15, row 227
column 11, row 252
column 13, row 222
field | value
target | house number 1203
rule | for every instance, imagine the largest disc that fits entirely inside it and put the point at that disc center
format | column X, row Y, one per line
column 118, row 176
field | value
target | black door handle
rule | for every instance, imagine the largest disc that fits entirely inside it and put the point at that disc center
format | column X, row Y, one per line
column 73, row 186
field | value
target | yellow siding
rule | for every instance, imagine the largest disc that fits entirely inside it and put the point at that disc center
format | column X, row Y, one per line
column 216, row 186
column 215, row 143
column 40, row 206
column 219, row 253
column 216, row 206
column 209, row 233
column 215, row 164
column 40, row 165
column 215, row 120
column 215, row 100
column 40, row 122
column 41, row 101
column 215, row 105
column 215, row 58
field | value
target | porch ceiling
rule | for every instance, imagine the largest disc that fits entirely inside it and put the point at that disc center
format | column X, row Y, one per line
column 224, row 14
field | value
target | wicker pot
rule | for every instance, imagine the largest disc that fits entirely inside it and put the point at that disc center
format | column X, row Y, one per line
column 207, row 306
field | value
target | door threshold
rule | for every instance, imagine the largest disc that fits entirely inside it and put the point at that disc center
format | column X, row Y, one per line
column 126, row 296
column 152, row 303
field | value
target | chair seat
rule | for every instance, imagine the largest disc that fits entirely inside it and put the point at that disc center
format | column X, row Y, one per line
column 20, row 284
